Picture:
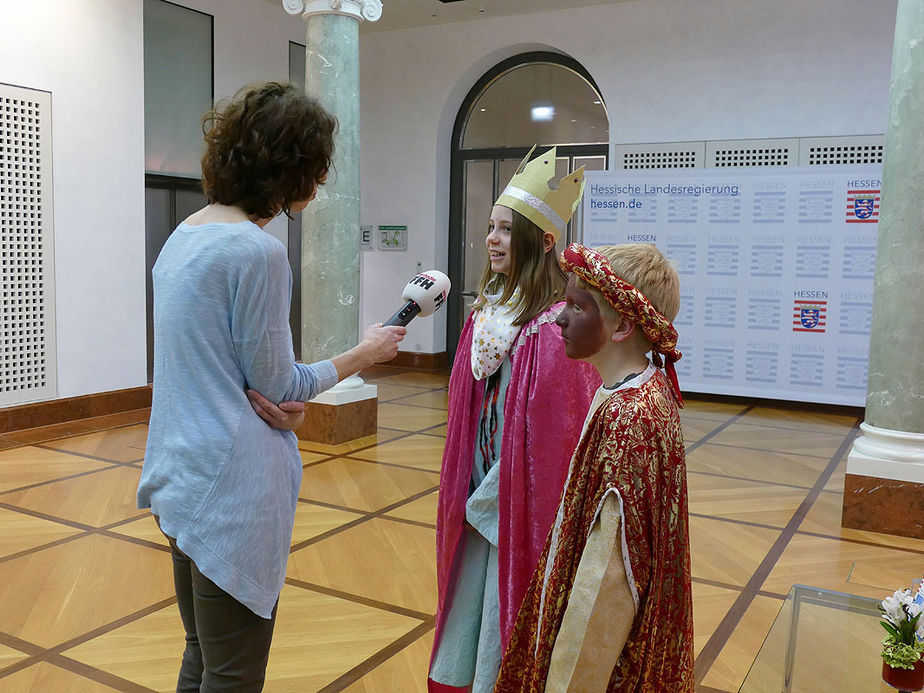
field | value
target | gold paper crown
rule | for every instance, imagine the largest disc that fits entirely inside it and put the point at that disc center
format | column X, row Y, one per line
column 528, row 193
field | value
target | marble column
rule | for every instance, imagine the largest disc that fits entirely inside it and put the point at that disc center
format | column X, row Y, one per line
column 330, row 225
column 884, row 487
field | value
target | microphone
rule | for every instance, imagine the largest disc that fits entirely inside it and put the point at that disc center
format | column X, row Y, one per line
column 425, row 294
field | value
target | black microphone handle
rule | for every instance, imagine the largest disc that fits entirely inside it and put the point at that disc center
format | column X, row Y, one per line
column 407, row 313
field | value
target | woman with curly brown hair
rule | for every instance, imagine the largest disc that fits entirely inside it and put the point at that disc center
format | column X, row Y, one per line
column 221, row 483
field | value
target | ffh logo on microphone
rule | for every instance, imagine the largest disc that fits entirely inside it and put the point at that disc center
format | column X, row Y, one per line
column 423, row 280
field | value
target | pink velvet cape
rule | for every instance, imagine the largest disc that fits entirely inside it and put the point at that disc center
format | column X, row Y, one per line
column 546, row 403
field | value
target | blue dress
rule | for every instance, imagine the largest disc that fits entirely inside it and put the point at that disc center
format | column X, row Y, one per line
column 469, row 651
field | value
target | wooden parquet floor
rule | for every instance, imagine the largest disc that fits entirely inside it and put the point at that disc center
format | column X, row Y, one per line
column 86, row 598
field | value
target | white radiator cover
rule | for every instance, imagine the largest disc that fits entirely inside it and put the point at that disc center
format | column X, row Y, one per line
column 795, row 151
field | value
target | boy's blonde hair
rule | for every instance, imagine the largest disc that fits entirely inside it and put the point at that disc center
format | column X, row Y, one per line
column 643, row 266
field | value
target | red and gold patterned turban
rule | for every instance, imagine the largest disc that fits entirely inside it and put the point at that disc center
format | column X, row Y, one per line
column 595, row 269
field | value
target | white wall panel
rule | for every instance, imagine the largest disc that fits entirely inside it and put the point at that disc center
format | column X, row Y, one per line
column 88, row 55
column 27, row 293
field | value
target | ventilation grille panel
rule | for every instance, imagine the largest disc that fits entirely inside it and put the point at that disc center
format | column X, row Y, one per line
column 823, row 151
column 27, row 353
column 845, row 155
column 804, row 151
column 750, row 153
column 659, row 156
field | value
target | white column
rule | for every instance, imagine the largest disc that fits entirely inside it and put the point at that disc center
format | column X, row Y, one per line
column 330, row 225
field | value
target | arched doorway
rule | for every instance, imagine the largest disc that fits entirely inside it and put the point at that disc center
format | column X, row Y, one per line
column 533, row 98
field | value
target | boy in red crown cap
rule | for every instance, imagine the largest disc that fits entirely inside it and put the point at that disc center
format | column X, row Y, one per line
column 609, row 608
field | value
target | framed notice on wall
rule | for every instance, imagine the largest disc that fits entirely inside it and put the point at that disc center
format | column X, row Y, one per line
column 392, row 237
column 776, row 271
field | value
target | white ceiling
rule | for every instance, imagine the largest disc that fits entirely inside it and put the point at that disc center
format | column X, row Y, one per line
column 400, row 14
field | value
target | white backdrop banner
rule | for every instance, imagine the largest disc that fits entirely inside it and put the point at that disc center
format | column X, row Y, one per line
column 776, row 271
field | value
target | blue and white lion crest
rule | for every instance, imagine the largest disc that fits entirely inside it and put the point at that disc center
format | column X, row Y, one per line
column 863, row 207
column 810, row 317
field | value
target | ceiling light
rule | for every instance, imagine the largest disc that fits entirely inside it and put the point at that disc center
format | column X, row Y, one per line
column 542, row 113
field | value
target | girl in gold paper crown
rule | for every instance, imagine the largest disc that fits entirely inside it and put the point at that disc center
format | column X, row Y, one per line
column 516, row 403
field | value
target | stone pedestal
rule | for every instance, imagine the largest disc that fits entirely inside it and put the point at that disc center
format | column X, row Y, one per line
column 884, row 487
column 342, row 414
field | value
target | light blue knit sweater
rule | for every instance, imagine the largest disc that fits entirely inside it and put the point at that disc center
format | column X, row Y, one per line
column 222, row 482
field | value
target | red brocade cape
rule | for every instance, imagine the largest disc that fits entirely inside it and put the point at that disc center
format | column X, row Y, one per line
column 633, row 445
column 546, row 404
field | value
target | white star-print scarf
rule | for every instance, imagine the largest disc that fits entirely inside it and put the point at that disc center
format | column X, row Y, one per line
column 493, row 335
